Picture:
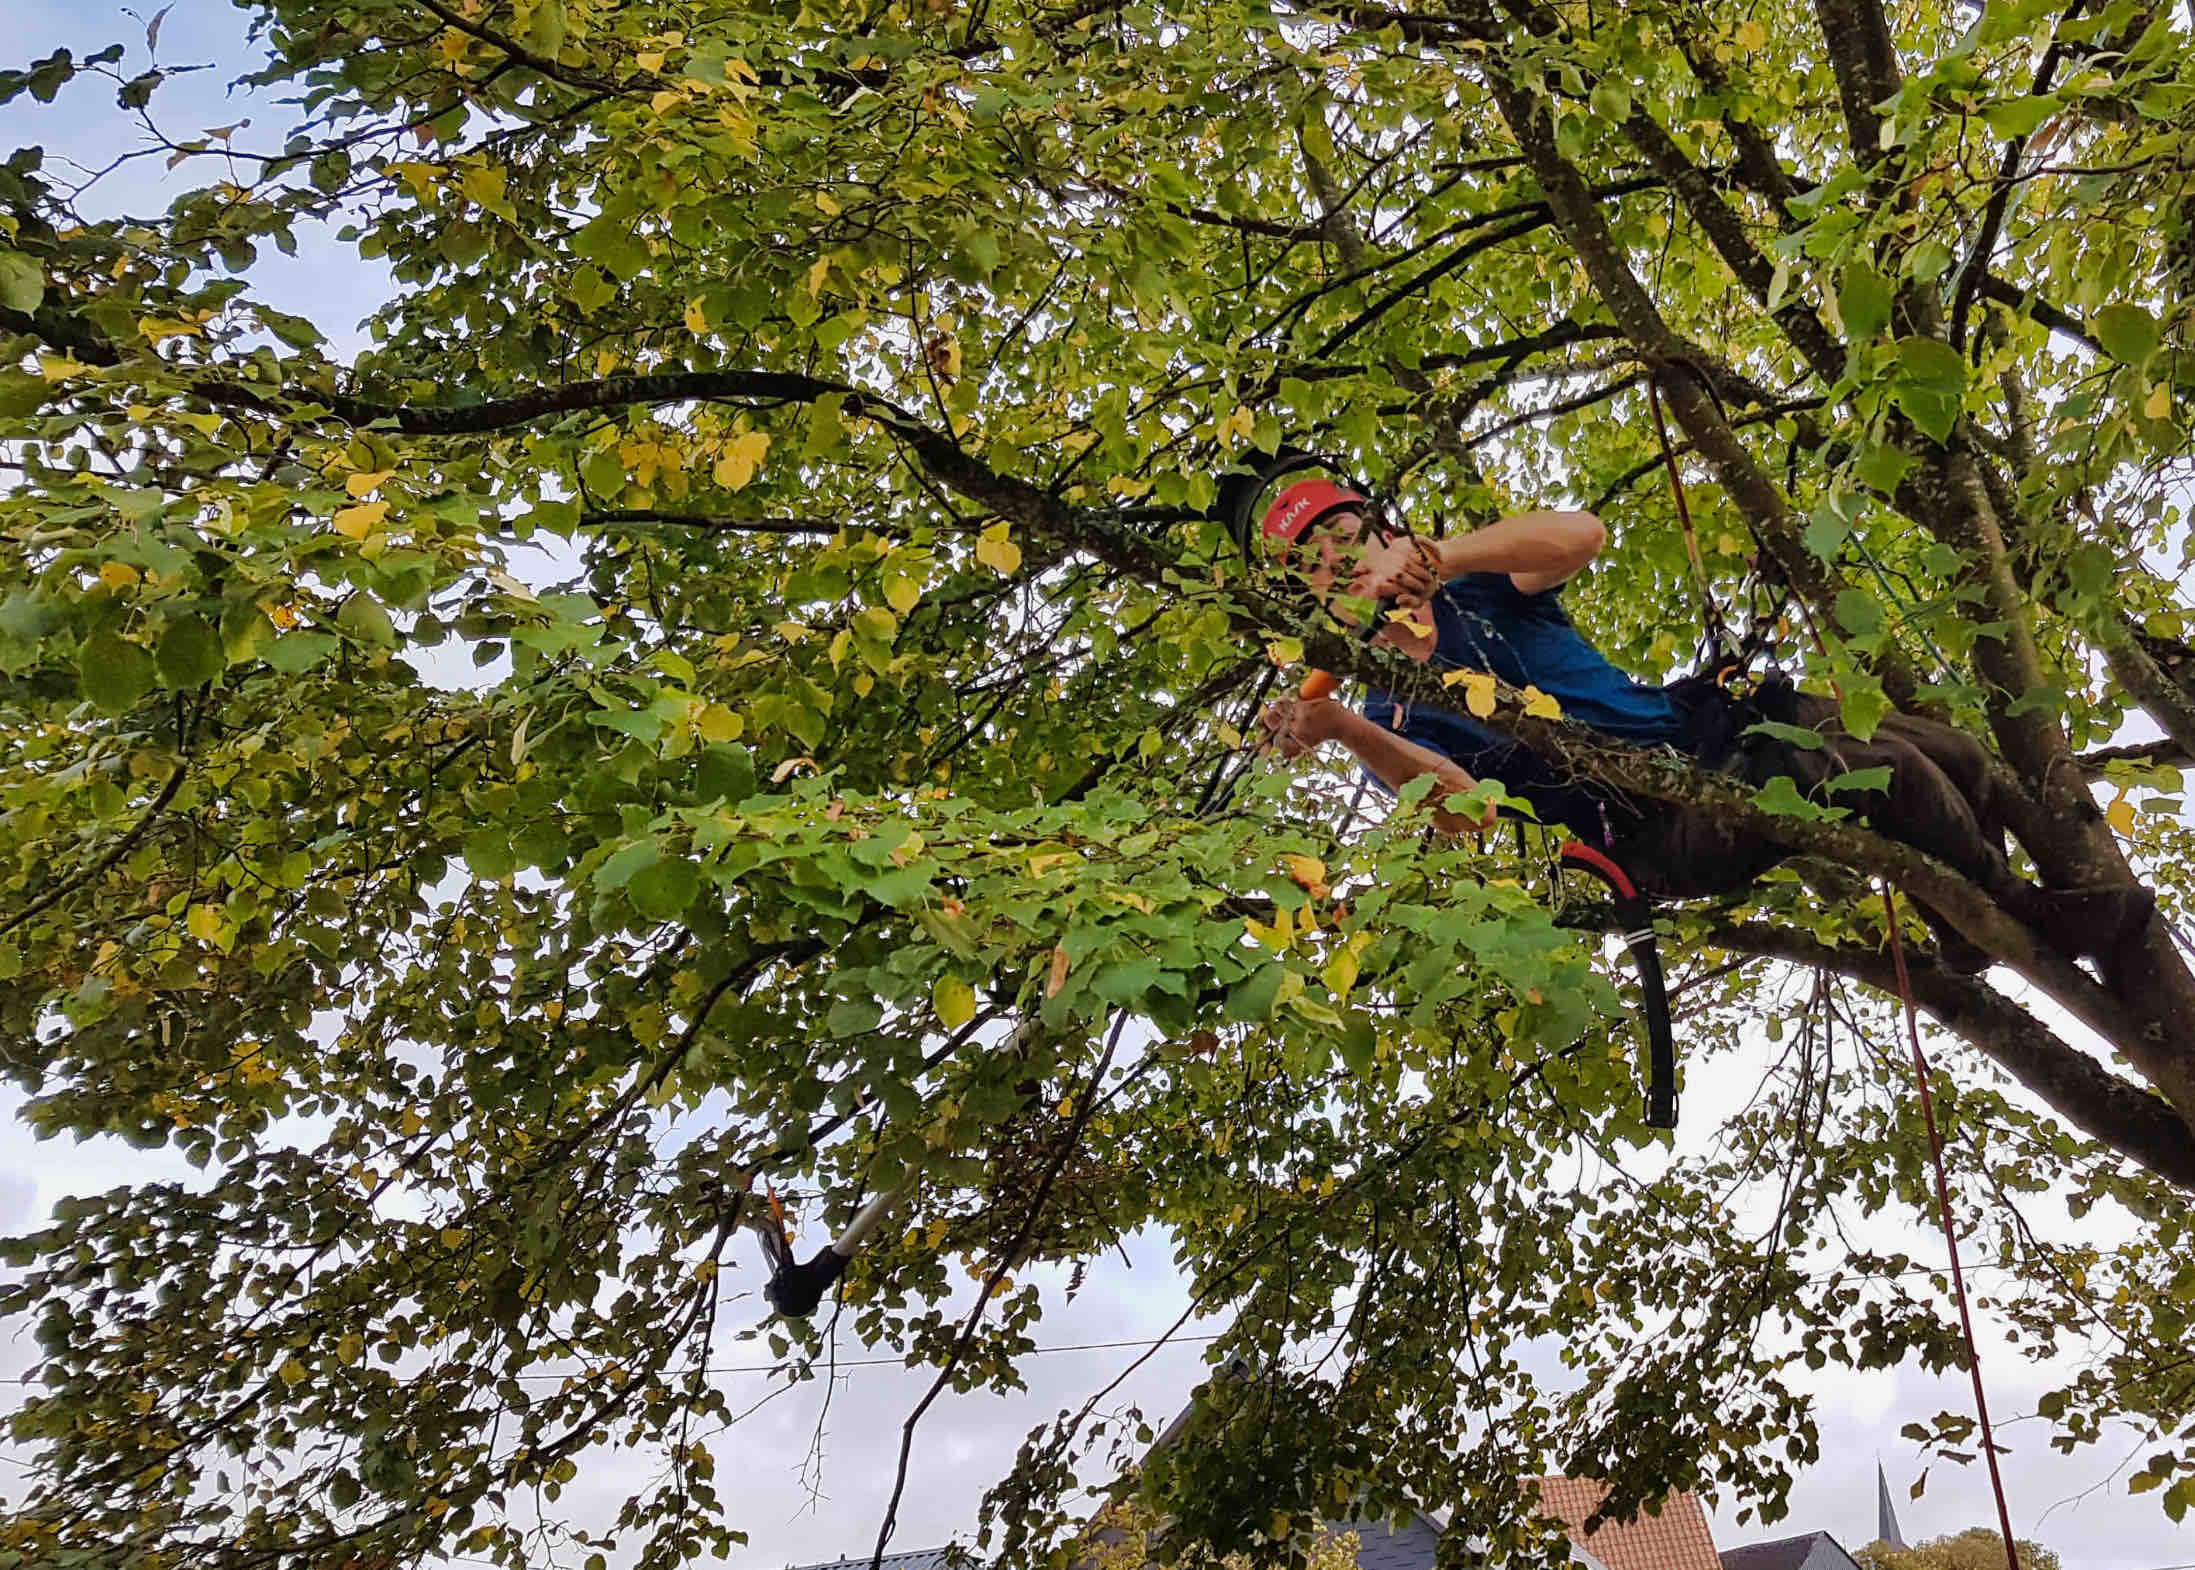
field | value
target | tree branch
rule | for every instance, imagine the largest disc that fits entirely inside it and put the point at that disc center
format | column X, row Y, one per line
column 2111, row 1110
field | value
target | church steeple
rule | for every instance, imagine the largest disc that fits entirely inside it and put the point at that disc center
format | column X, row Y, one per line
column 1886, row 1518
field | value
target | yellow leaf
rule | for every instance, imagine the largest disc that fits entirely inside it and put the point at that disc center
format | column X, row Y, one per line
column 1540, row 706
column 818, row 274
column 484, row 185
column 118, row 574
column 453, row 1237
column 954, row 1000
column 366, row 480
column 784, row 770
column 358, row 522
column 1235, row 429
column 2159, row 406
column 864, row 684
column 1307, row 871
column 350, row 1348
column 826, row 205
column 997, row 552
column 901, row 593
column 697, row 320
column 741, row 456
column 1284, row 651
column 1340, row 974
column 59, row 368
column 665, row 101
column 1478, row 690
column 649, row 60
column 1058, row 976
column 205, row 924
column 717, row 723
column 293, row 1372
column 1275, row 937
column 1751, row 35
column 2120, row 815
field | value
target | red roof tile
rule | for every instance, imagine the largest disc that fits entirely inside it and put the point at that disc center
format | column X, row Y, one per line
column 1677, row 1539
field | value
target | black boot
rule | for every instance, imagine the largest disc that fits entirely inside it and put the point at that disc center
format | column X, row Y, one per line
column 2105, row 925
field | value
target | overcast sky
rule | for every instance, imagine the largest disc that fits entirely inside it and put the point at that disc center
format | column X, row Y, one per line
column 2076, row 1505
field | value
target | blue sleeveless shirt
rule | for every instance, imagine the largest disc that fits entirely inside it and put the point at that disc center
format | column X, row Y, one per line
column 1482, row 622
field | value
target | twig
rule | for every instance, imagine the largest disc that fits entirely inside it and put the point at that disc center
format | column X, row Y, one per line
column 120, row 849
column 1006, row 1258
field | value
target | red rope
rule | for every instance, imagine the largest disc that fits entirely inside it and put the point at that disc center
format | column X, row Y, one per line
column 1950, row 1235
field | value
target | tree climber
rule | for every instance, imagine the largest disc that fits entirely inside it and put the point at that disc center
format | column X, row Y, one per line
column 1490, row 601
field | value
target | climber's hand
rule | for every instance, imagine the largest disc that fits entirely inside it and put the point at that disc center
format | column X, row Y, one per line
column 1399, row 567
column 1294, row 726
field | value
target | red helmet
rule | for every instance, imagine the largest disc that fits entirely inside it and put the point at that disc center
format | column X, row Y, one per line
column 1307, row 503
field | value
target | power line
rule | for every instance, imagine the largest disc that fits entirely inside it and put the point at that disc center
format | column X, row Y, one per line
column 862, row 1362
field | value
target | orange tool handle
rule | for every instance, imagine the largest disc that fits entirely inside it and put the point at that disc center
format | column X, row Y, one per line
column 1321, row 684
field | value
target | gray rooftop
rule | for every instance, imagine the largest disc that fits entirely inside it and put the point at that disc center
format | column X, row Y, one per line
column 946, row 1558
column 1808, row 1551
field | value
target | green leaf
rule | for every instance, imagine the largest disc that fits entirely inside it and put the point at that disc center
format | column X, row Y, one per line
column 1865, row 704
column 1882, row 466
column 2019, row 117
column 297, row 652
column 854, row 1017
column 22, row 281
column 1826, row 531
column 618, row 870
column 366, row 619
column 724, row 772
column 614, row 245
column 1795, row 735
column 665, row 887
column 1859, row 613
column 2128, row 333
column 1863, row 300
column 190, row 653
column 1781, row 796
column 1252, row 997
column 1876, row 778
column 547, row 29
column 488, row 851
column 115, row 673
column 1930, row 384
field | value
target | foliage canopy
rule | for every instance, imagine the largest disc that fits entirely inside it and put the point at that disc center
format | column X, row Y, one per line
column 862, row 374
column 1976, row 1548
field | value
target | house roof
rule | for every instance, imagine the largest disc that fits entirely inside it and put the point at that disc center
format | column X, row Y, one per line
column 1676, row 1539
column 1807, row 1551
column 917, row 1559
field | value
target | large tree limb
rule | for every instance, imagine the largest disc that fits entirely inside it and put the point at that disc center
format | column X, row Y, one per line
column 2108, row 1109
column 1694, row 405
column 1696, row 189
column 2162, row 698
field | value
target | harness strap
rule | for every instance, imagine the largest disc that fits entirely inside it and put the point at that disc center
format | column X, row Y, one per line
column 1636, row 913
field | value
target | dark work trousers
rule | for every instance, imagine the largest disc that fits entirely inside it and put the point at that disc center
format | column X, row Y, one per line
column 1937, row 798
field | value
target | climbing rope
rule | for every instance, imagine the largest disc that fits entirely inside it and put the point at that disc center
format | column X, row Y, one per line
column 1950, row 1233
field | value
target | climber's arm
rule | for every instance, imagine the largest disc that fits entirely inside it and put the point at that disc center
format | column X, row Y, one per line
column 1537, row 549
column 1295, row 726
